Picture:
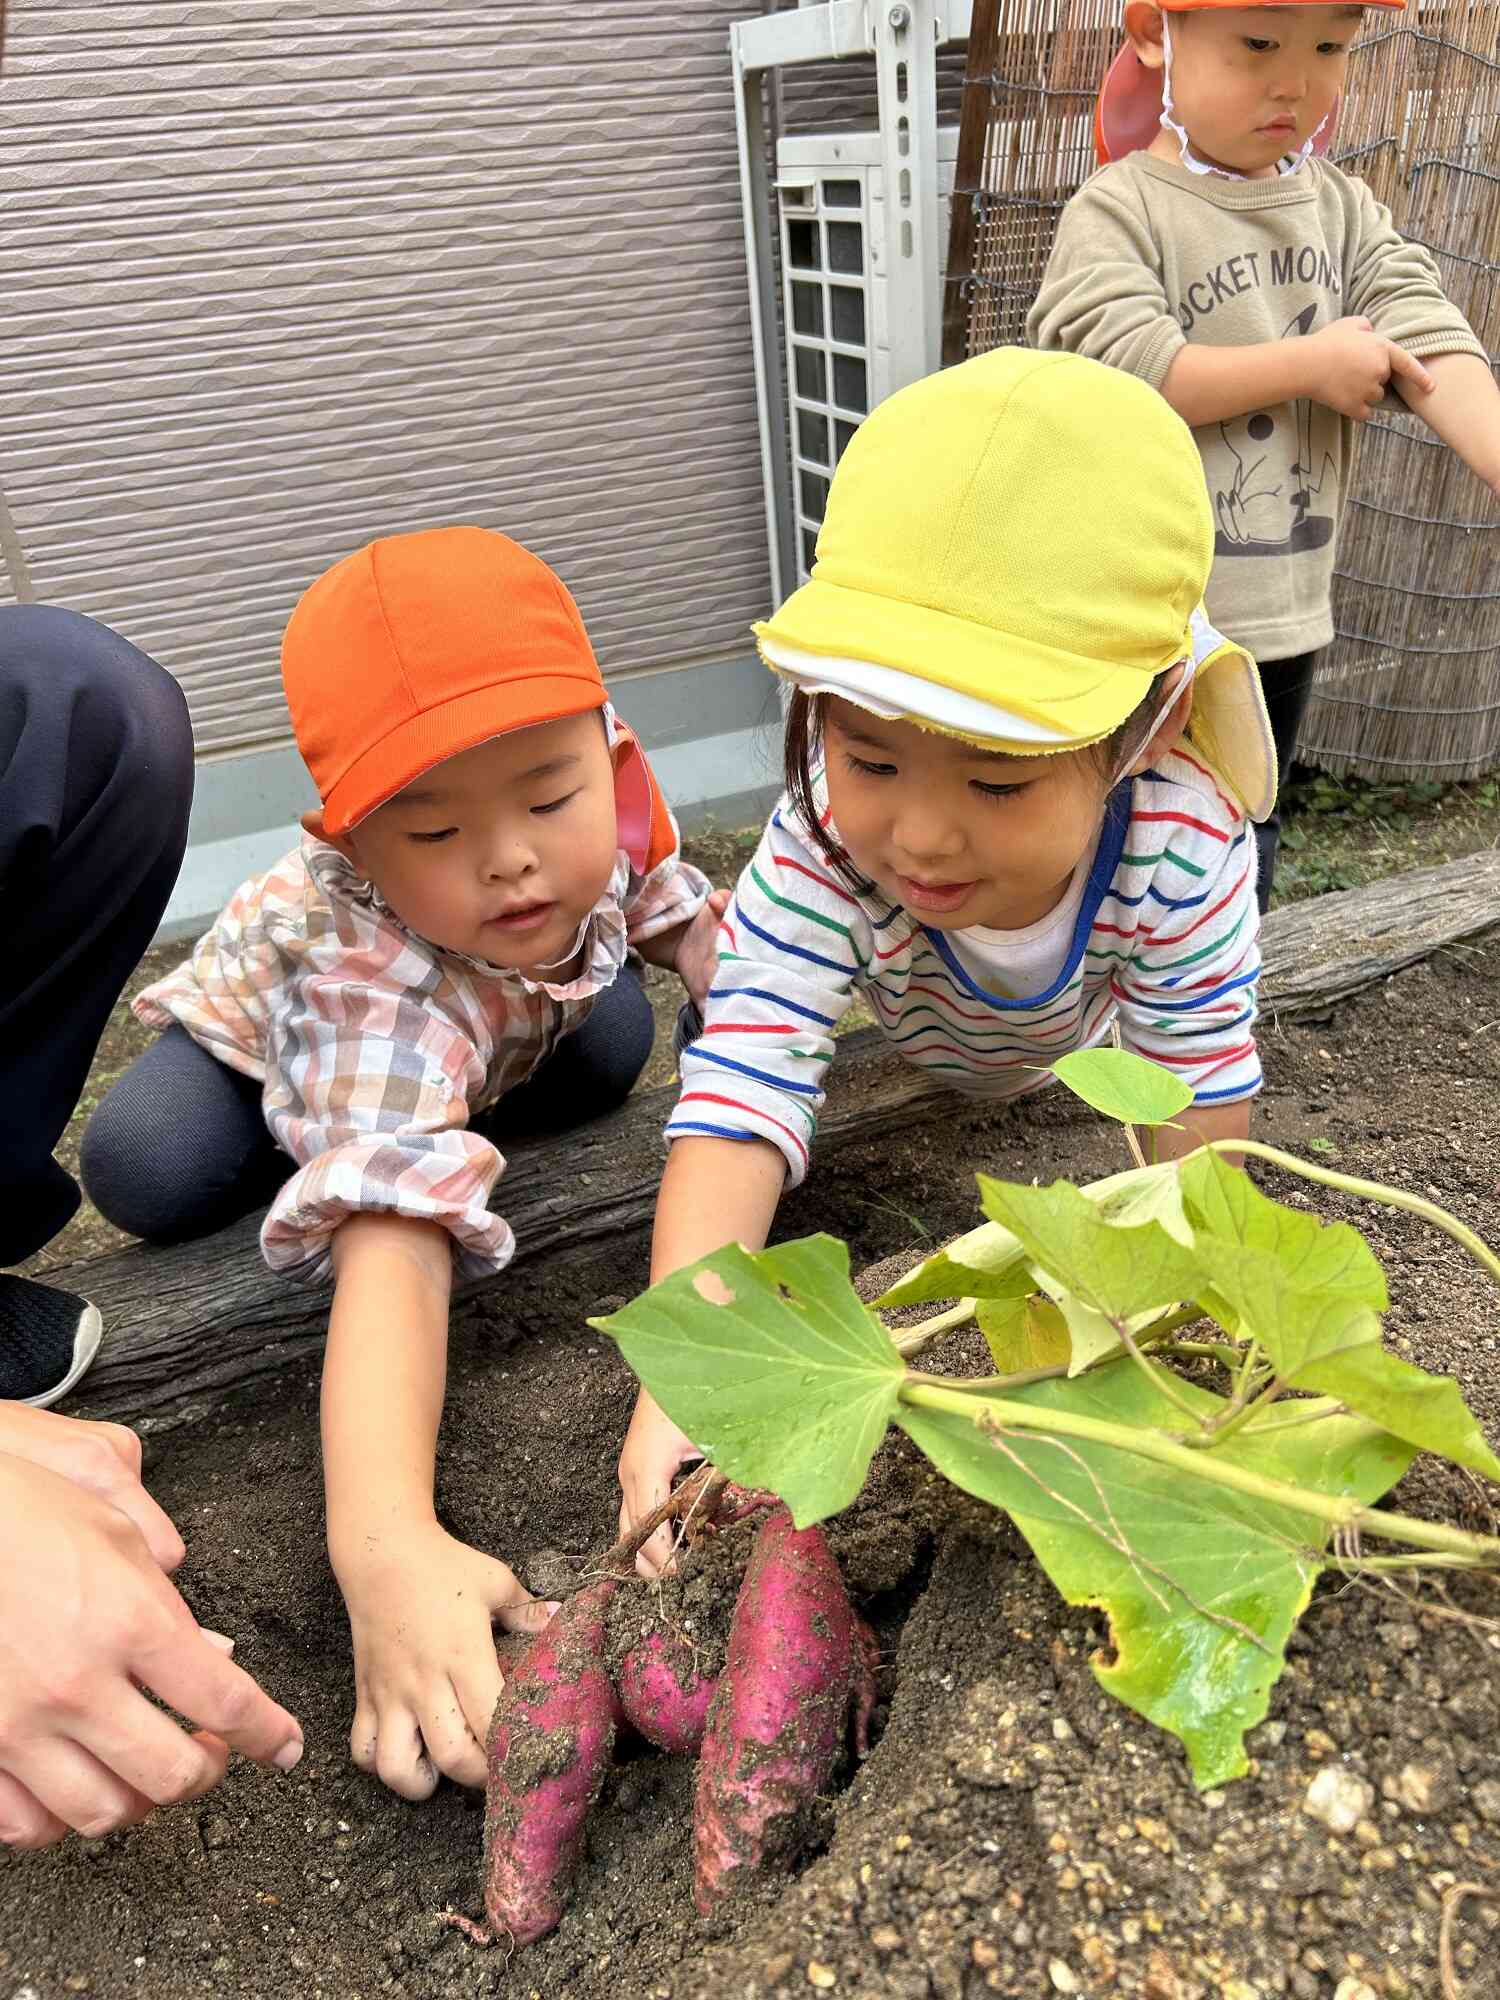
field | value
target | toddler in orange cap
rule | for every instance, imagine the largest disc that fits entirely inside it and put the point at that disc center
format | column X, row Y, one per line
column 1268, row 296
column 441, row 962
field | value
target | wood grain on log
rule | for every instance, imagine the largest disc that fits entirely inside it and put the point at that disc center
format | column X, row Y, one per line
column 189, row 1323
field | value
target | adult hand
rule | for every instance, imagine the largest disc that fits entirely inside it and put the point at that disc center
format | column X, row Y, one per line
column 89, row 1626
column 1351, row 364
column 104, row 1459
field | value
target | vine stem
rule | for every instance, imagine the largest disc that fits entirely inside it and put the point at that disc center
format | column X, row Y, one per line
column 913, row 1339
column 930, row 1393
column 1376, row 1191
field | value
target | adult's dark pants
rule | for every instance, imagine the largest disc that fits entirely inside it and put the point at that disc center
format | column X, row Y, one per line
column 1287, row 685
column 96, row 780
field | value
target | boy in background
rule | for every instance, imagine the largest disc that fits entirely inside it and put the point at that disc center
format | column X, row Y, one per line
column 1268, row 296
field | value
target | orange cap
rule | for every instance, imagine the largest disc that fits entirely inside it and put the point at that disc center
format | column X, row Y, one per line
column 419, row 646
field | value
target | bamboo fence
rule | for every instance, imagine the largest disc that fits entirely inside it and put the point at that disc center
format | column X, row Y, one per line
column 1410, row 688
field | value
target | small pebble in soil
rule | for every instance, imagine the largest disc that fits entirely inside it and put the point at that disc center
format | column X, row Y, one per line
column 822, row 1976
column 1420, row 1788
column 1064, row 1978
column 1339, row 1799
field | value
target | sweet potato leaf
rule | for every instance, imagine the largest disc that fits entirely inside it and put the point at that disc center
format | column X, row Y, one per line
column 1316, row 1256
column 1123, row 1085
column 1023, row 1333
column 989, row 1263
column 772, row 1365
column 1426, row 1410
column 1115, row 1268
column 1202, row 1586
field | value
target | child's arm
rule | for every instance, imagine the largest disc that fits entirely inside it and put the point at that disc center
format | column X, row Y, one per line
column 713, row 1192
column 420, row 1603
column 1346, row 366
column 1463, row 407
column 1199, row 1126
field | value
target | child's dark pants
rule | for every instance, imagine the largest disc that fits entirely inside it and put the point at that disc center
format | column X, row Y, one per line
column 96, row 779
column 1287, row 685
column 179, row 1146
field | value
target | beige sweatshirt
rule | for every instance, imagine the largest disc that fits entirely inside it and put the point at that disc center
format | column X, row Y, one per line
column 1149, row 256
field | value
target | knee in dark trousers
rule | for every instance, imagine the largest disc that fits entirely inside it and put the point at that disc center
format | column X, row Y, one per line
column 1288, row 687
column 96, row 782
column 179, row 1147
column 590, row 1071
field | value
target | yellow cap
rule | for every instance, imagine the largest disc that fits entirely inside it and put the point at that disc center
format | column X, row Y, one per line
column 1029, row 532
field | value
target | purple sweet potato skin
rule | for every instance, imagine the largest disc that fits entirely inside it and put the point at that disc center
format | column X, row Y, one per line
column 797, row 1657
column 662, row 1693
column 549, row 1749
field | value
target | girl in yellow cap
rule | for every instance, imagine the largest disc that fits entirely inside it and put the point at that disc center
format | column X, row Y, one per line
column 1020, row 771
column 1267, row 295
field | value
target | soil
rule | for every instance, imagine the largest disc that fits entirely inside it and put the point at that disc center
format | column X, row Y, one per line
column 1013, row 1831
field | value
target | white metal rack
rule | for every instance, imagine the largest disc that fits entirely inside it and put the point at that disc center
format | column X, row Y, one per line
column 841, row 309
column 903, row 36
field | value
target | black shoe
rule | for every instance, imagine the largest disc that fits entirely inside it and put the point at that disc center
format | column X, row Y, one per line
column 48, row 1337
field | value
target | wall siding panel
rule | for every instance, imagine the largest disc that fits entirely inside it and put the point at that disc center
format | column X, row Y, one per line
column 281, row 279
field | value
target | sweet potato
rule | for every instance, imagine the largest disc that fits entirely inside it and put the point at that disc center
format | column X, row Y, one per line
column 797, row 1657
column 662, row 1692
column 549, row 1749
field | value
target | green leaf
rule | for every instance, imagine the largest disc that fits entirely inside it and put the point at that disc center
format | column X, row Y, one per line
column 1123, row 1085
column 988, row 1263
column 1225, row 1203
column 1202, row 1586
column 1090, row 1335
column 1426, row 1410
column 1023, row 1334
column 1145, row 1194
column 1301, row 1287
column 1325, row 1146
column 772, row 1365
column 1116, row 1269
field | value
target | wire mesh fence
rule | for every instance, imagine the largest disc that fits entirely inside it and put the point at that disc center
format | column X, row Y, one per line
column 1410, row 687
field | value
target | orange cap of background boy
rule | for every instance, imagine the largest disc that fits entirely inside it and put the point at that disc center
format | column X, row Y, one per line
column 419, row 646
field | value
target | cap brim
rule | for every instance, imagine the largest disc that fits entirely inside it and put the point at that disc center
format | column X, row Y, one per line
column 1079, row 697
column 422, row 741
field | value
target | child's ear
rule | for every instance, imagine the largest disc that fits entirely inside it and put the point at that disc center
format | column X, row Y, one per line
column 312, row 822
column 1143, row 26
column 1166, row 732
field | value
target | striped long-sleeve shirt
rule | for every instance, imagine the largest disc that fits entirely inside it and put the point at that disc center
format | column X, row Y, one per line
column 1165, row 941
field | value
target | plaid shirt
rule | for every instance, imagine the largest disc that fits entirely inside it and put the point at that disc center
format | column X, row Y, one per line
column 376, row 1048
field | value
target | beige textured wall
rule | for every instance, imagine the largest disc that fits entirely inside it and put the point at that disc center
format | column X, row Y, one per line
column 280, row 278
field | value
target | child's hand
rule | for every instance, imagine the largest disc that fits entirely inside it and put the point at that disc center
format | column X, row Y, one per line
column 697, row 953
column 425, row 1675
column 654, row 1450
column 1350, row 365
